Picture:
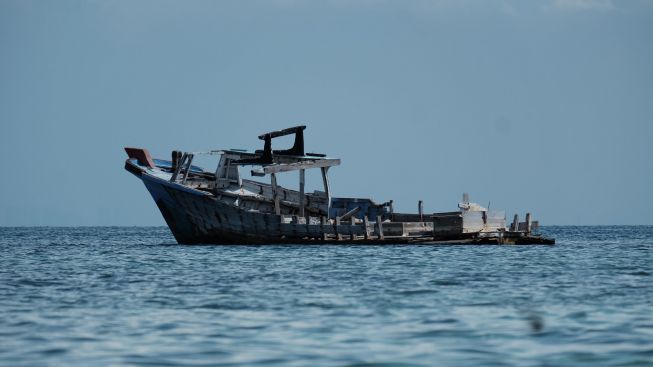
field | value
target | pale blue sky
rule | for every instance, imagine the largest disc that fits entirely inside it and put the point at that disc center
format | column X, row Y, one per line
column 543, row 106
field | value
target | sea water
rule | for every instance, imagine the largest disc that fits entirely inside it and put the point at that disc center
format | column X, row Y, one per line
column 97, row 296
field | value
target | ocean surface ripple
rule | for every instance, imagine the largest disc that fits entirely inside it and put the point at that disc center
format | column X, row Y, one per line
column 97, row 296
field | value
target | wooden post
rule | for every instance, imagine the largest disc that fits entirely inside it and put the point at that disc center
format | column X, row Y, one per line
column 175, row 159
column 190, row 162
column 275, row 194
column 327, row 190
column 338, row 234
column 301, row 192
column 379, row 225
column 515, row 224
column 180, row 166
column 420, row 209
column 322, row 228
column 366, row 223
column 528, row 222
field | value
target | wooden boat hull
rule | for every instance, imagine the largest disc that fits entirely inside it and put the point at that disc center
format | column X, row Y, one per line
column 196, row 217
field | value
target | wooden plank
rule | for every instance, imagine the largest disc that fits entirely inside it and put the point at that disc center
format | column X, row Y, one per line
column 301, row 192
column 294, row 230
column 350, row 213
column 327, row 189
column 447, row 225
column 308, row 164
column 349, row 230
column 185, row 174
column 394, row 229
column 180, row 166
column 366, row 224
column 417, row 228
column 454, row 221
column 406, row 217
column 275, row 194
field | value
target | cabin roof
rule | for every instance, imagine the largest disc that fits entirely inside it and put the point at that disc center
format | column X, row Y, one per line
column 283, row 160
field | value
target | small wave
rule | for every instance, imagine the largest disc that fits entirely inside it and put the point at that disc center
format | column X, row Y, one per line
column 640, row 273
column 577, row 315
column 446, row 282
column 446, row 333
column 322, row 305
column 441, row 321
column 54, row 351
column 221, row 306
column 382, row 364
column 480, row 304
column 415, row 292
column 38, row 283
column 166, row 326
column 476, row 351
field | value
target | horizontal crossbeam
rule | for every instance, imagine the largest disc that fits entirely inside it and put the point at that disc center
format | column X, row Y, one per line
column 308, row 164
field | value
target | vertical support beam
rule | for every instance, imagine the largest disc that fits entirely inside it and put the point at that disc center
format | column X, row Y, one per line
column 420, row 210
column 179, row 167
column 275, row 194
column 301, row 192
column 379, row 225
column 175, row 159
column 322, row 228
column 514, row 227
column 327, row 190
column 528, row 222
column 338, row 228
column 190, row 162
column 366, row 223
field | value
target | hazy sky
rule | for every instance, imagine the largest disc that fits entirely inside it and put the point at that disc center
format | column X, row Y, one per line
column 543, row 106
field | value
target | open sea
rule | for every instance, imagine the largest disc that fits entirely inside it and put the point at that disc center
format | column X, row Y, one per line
column 114, row 296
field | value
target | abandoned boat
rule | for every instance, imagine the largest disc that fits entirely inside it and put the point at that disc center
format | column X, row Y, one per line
column 221, row 207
